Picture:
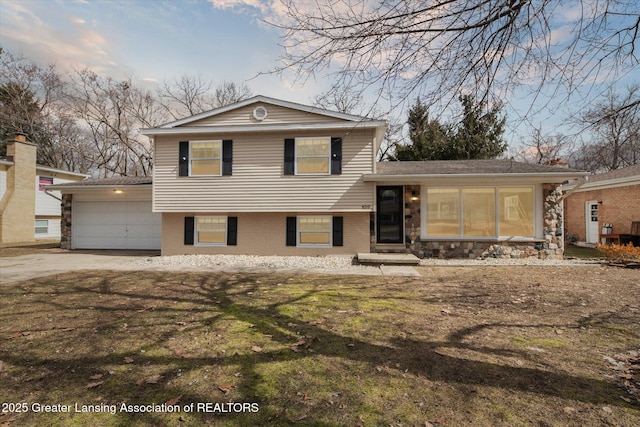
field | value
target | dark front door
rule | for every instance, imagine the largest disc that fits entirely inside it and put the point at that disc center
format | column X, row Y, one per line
column 390, row 215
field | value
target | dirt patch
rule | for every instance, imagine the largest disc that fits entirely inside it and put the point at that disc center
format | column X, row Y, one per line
column 495, row 346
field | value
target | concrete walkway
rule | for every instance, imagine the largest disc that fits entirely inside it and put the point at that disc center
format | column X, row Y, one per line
column 26, row 267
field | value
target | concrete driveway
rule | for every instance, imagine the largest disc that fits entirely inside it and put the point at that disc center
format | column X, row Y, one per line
column 26, row 267
column 32, row 266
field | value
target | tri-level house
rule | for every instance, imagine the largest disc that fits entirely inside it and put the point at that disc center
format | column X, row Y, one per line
column 270, row 177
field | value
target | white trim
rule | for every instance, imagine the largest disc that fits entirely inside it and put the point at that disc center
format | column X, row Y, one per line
column 604, row 184
column 327, row 156
column 211, row 158
column 541, row 177
column 262, row 127
column 60, row 171
column 36, row 227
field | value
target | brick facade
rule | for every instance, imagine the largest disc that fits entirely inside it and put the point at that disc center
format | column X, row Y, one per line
column 620, row 206
column 18, row 205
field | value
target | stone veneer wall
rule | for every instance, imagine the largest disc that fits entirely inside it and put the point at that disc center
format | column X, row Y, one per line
column 65, row 222
column 549, row 248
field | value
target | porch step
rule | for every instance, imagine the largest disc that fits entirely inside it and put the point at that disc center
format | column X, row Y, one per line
column 388, row 259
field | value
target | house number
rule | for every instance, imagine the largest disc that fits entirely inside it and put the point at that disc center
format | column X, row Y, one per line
column 366, row 206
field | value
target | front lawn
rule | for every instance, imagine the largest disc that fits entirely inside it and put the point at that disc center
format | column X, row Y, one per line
column 460, row 346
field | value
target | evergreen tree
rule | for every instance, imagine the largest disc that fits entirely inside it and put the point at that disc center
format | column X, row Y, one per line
column 477, row 136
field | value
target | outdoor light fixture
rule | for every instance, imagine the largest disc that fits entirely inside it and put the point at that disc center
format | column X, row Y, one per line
column 117, row 191
column 414, row 196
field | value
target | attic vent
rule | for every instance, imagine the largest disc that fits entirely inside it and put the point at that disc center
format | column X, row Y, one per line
column 260, row 113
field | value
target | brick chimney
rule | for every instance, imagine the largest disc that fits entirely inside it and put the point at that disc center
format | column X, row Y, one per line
column 18, row 204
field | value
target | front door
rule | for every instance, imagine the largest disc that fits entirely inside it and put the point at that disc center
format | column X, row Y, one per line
column 591, row 216
column 390, row 214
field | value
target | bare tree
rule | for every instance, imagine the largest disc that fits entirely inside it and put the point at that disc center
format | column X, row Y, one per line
column 614, row 127
column 350, row 101
column 112, row 112
column 438, row 49
column 193, row 94
column 544, row 149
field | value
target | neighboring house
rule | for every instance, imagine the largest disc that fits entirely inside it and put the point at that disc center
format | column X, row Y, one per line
column 27, row 210
column 607, row 198
column 265, row 176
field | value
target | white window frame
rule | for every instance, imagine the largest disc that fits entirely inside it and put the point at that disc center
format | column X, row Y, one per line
column 41, row 226
column 460, row 214
column 191, row 159
column 327, row 156
column 196, row 242
column 314, row 245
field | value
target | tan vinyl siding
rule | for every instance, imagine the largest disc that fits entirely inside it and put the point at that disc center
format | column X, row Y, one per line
column 275, row 114
column 258, row 183
column 264, row 234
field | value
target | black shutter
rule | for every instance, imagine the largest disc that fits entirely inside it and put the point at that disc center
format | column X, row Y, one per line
column 183, row 159
column 291, row 230
column 336, row 156
column 227, row 156
column 289, row 156
column 337, row 231
column 189, row 223
column 232, row 231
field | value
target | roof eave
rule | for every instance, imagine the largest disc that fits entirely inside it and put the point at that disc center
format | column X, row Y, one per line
column 61, row 171
column 193, row 130
column 60, row 187
column 420, row 177
column 266, row 100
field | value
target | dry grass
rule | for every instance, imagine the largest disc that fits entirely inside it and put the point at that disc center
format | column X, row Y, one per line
column 460, row 346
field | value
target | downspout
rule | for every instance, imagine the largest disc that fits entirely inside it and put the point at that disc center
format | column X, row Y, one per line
column 51, row 195
column 561, row 202
column 570, row 192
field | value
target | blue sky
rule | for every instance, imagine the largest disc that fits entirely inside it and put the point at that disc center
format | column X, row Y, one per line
column 151, row 40
column 156, row 40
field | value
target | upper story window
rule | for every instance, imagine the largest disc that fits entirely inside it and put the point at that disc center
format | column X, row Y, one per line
column 313, row 155
column 206, row 157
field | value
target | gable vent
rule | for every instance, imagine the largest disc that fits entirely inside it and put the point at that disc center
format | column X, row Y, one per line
column 260, row 113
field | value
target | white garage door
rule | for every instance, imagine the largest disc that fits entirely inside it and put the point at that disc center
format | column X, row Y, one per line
column 123, row 224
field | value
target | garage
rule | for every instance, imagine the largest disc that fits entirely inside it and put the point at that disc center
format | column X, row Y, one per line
column 109, row 213
column 118, row 224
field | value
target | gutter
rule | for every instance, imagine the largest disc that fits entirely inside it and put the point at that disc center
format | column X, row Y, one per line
column 574, row 189
column 382, row 177
column 263, row 128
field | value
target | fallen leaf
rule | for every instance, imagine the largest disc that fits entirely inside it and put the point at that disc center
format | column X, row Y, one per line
column 128, row 360
column 154, row 379
column 226, row 388
column 94, row 385
column 95, row 377
column 140, row 381
column 256, row 349
column 174, row 401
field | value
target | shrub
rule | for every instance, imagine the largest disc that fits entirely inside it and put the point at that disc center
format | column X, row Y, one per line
column 615, row 252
